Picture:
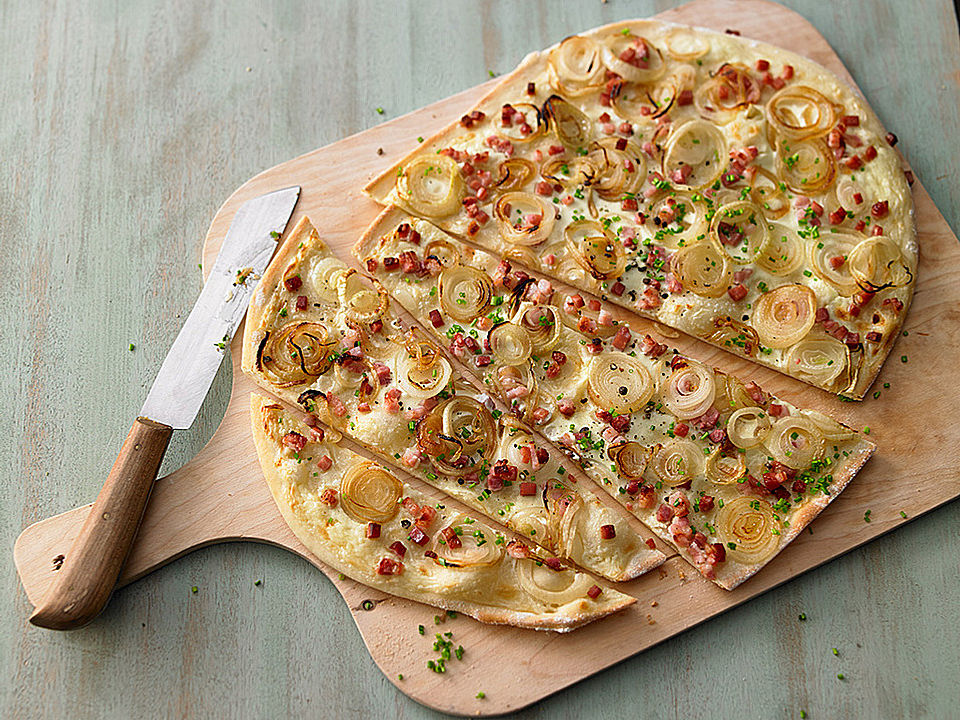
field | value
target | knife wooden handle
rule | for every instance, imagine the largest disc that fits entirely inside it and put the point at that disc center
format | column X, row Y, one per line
column 82, row 586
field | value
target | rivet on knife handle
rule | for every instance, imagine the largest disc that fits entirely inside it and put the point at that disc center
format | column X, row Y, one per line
column 84, row 583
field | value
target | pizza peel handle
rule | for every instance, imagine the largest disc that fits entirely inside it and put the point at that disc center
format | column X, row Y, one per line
column 83, row 585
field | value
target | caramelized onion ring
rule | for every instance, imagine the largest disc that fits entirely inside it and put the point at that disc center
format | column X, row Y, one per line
column 877, row 264
column 819, row 361
column 782, row 253
column 368, row 493
column 690, row 390
column 572, row 128
column 552, row 588
column 575, row 66
column 476, row 547
column 595, row 249
column 703, row 268
column 510, row 343
column 798, row 112
column 784, row 315
column 524, row 218
column 615, row 44
column 678, row 462
column 807, row 167
column 746, row 526
column 296, row 353
column 795, row 441
column 514, row 173
column 431, row 186
column 619, row 383
column 465, row 292
column 630, row 458
column 698, row 145
column 747, row 427
column 725, row 468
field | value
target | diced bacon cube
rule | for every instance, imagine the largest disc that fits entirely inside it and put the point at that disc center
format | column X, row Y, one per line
column 755, row 392
column 622, row 339
column 295, row 441
column 853, row 162
column 389, row 567
column 554, row 563
column 384, row 376
column 737, row 292
column 436, row 319
column 838, row 216
column 566, row 407
column 540, row 415
column 292, row 284
column 418, row 536
column 329, row 497
column 411, row 457
column 391, row 401
column 664, row 513
column 681, row 429
column 372, row 531
column 607, row 532
column 409, row 262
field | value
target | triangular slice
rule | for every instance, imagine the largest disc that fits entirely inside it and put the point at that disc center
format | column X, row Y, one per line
column 320, row 339
column 723, row 470
column 356, row 515
column 722, row 186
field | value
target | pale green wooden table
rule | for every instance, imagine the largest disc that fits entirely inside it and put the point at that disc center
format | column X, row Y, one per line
column 124, row 125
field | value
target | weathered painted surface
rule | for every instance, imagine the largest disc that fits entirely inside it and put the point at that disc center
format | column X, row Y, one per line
column 123, row 126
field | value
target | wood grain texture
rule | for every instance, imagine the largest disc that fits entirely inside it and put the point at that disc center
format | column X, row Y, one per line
column 88, row 569
column 122, row 130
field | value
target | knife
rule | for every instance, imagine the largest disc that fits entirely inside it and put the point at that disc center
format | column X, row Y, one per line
column 86, row 579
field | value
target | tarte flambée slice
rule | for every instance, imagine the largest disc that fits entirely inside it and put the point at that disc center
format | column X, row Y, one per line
column 320, row 339
column 703, row 180
column 724, row 471
column 355, row 516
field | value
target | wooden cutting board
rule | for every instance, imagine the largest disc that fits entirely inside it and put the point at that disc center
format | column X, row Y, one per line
column 220, row 494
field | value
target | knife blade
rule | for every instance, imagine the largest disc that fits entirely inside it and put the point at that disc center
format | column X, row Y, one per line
column 82, row 586
column 195, row 356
